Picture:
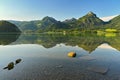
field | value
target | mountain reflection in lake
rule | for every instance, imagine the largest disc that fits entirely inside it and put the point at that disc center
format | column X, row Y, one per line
column 44, row 57
column 7, row 38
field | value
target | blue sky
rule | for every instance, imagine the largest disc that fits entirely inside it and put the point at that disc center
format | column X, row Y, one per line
column 59, row 9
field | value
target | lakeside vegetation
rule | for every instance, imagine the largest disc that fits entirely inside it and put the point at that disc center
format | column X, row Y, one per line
column 100, row 31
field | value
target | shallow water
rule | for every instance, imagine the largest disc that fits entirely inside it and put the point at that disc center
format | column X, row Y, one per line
column 44, row 57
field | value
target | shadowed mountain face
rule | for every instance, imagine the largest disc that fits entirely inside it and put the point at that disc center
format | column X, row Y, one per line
column 7, row 27
column 88, row 42
column 8, row 33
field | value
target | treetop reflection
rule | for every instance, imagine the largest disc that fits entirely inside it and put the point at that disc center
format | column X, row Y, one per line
column 88, row 42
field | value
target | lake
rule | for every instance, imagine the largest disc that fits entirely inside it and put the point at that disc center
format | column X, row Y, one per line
column 44, row 56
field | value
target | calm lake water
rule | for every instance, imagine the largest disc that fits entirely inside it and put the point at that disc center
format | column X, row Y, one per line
column 44, row 57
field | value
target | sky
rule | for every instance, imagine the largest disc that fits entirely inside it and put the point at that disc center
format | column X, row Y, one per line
column 59, row 9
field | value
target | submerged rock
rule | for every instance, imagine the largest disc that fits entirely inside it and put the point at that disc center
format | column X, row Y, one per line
column 99, row 69
column 18, row 61
column 59, row 66
column 72, row 54
column 9, row 66
column 88, row 58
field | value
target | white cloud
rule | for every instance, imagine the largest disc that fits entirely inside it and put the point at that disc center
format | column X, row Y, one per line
column 108, row 18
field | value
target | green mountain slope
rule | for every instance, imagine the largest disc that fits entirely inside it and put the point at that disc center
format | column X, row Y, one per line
column 114, row 23
column 89, row 20
column 49, row 23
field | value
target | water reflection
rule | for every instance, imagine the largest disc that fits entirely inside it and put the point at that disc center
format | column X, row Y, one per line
column 88, row 42
column 46, row 57
column 6, row 39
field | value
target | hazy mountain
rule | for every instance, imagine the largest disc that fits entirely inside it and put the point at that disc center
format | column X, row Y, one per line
column 25, row 25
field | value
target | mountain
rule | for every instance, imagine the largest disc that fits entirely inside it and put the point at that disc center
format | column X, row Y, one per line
column 49, row 23
column 25, row 25
column 71, row 22
column 114, row 23
column 46, row 24
column 88, row 22
column 6, row 27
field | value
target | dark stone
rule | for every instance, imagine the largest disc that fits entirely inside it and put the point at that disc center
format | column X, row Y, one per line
column 18, row 61
column 9, row 66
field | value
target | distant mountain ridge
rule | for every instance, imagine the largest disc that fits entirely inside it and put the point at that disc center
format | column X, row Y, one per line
column 88, row 22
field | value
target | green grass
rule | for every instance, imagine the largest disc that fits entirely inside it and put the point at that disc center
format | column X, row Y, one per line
column 111, row 30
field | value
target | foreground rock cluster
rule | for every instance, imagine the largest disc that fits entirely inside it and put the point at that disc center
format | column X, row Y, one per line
column 12, row 64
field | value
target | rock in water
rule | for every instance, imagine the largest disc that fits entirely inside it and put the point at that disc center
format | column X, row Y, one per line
column 59, row 66
column 99, row 69
column 72, row 54
column 87, row 58
column 9, row 66
column 18, row 61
